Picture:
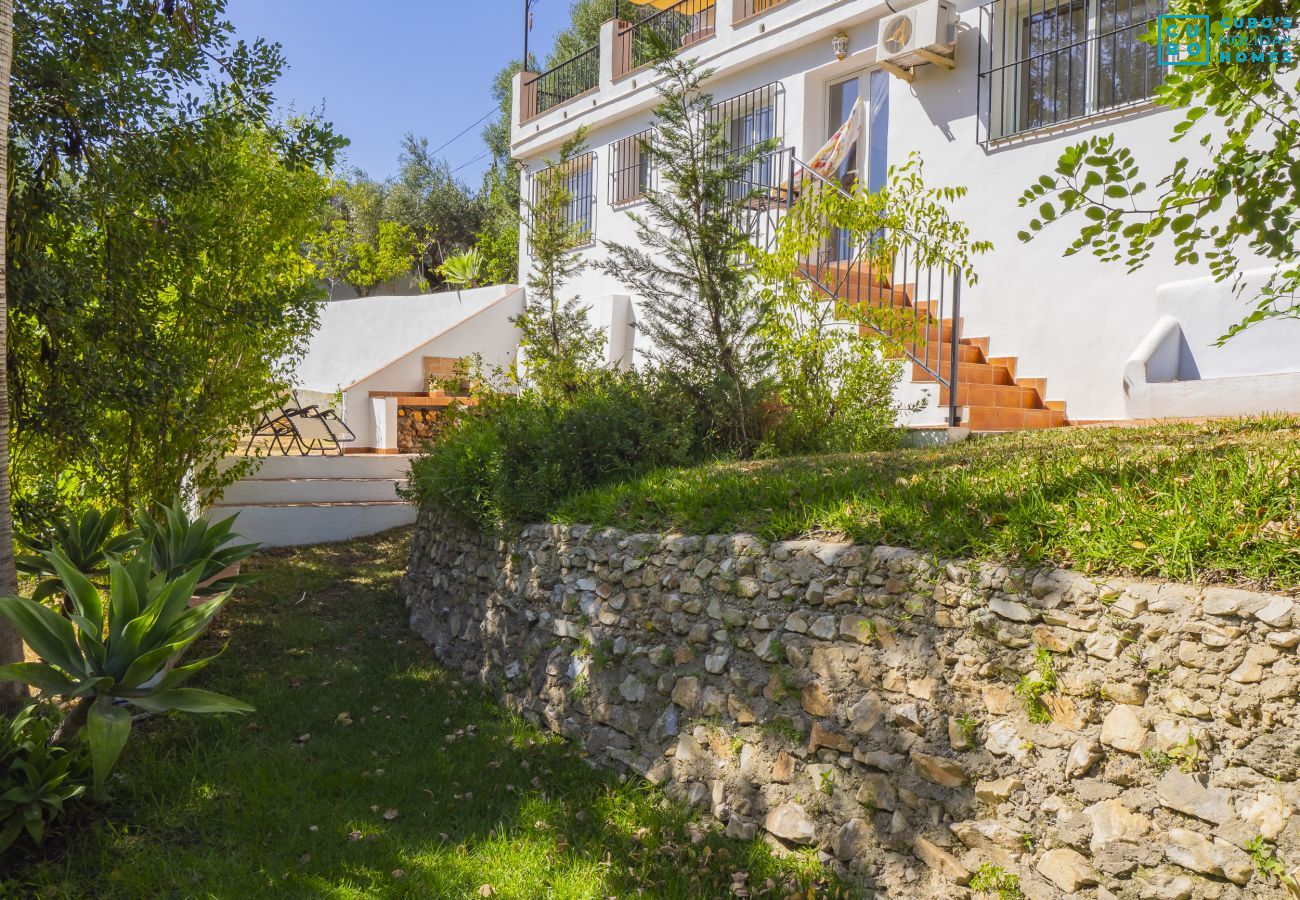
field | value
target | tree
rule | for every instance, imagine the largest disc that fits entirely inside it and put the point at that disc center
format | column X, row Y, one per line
column 700, row 309
column 498, row 239
column 12, row 694
column 1241, row 197
column 358, row 247
column 557, row 342
column 197, row 302
column 159, row 283
column 442, row 215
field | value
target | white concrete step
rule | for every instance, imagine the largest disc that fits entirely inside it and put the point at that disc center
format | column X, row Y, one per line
column 931, row 413
column 255, row 491
column 297, row 524
column 360, row 465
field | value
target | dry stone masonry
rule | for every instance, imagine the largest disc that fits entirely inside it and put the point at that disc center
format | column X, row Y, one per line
column 920, row 722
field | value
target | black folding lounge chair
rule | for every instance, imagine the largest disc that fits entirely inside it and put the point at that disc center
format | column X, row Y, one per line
column 303, row 429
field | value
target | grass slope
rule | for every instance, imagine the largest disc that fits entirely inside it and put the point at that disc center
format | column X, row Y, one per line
column 368, row 771
column 1218, row 501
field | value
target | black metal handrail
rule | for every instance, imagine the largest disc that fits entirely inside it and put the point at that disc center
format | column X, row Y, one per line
column 684, row 23
column 908, row 293
column 560, row 84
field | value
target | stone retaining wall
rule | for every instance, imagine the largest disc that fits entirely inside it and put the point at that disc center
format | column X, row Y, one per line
column 920, row 721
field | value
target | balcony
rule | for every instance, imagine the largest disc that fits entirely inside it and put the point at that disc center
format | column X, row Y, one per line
column 748, row 8
column 721, row 33
column 560, row 84
column 637, row 44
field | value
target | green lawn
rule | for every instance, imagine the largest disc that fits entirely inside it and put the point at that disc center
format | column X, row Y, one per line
column 368, row 771
column 1219, row 501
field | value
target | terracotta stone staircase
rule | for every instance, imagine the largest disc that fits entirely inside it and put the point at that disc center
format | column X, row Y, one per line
column 889, row 277
column 992, row 396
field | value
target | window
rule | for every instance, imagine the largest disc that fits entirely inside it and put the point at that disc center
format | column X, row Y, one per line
column 630, row 168
column 1044, row 62
column 579, row 179
column 748, row 121
column 751, row 118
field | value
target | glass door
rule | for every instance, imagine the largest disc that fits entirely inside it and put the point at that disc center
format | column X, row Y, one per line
column 840, row 101
column 843, row 94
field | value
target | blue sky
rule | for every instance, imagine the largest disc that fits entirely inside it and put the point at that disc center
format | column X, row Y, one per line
column 382, row 68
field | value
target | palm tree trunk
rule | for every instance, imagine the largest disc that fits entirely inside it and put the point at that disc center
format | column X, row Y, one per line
column 12, row 694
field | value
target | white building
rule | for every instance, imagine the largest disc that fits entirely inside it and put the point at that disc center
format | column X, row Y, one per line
column 997, row 91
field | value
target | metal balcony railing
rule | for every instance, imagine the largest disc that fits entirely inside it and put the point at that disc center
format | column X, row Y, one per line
column 560, row 84
column 577, row 178
column 631, row 170
column 640, row 43
column 747, row 8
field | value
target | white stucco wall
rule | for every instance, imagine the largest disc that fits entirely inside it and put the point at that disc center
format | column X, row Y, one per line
column 379, row 344
column 1179, row 370
column 1206, row 309
column 1071, row 320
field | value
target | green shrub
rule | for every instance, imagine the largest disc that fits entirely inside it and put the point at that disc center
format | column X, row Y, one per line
column 175, row 543
column 37, row 779
column 89, row 539
column 1036, row 685
column 123, row 643
column 513, row 458
column 990, row 879
column 123, row 637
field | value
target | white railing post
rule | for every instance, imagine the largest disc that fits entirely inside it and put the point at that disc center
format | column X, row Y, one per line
column 383, row 411
column 725, row 14
column 608, row 60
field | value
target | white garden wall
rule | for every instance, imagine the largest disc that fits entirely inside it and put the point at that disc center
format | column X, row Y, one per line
column 379, row 344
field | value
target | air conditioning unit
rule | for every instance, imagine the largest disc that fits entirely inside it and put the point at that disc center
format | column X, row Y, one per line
column 926, row 33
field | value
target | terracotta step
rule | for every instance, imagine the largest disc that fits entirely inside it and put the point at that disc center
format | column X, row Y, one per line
column 967, row 372
column 936, row 309
column 860, row 283
column 993, row 418
column 1009, row 361
column 863, row 292
column 937, row 357
column 1009, row 396
column 918, row 335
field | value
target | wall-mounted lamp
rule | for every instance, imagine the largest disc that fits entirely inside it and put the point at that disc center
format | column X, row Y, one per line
column 840, row 44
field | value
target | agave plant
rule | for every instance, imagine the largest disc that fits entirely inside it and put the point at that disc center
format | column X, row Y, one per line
column 175, row 543
column 87, row 539
column 37, row 778
column 464, row 269
column 123, row 646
